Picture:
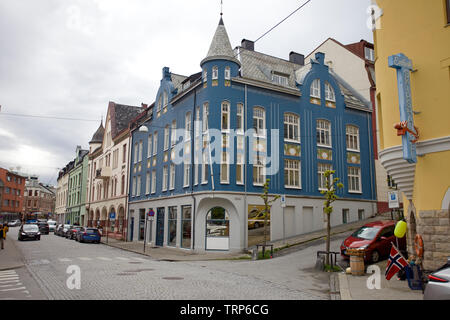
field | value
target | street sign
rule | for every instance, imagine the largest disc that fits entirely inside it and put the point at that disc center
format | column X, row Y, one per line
column 151, row 213
column 112, row 215
column 393, row 199
column 283, row 201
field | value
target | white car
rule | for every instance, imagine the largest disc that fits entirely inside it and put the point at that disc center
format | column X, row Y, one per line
column 51, row 225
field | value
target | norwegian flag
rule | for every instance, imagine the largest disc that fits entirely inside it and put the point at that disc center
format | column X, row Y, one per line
column 396, row 263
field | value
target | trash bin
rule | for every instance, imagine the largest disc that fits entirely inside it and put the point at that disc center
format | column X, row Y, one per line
column 356, row 261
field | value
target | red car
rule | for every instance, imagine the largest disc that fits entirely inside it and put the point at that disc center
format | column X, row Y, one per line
column 375, row 238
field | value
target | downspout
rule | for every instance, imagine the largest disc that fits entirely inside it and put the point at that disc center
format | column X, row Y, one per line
column 245, row 169
column 127, row 178
column 192, row 167
column 371, row 166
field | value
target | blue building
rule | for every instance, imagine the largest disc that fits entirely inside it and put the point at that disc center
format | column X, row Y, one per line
column 203, row 150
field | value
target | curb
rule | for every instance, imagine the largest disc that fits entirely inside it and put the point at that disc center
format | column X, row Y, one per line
column 335, row 293
column 344, row 287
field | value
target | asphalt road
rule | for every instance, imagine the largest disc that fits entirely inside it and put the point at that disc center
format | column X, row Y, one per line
column 60, row 269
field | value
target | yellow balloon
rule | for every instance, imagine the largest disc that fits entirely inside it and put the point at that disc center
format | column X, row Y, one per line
column 400, row 229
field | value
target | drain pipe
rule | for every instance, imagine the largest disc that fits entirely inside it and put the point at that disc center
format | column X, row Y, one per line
column 192, row 168
column 245, row 170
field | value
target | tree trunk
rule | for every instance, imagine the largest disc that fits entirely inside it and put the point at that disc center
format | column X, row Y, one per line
column 327, row 261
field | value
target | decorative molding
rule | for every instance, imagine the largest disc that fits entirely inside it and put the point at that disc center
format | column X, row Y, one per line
column 433, row 145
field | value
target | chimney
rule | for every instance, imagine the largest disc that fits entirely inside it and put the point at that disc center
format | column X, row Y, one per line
column 247, row 44
column 297, row 58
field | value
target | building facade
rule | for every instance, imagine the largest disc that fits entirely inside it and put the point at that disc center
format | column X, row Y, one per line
column 107, row 201
column 204, row 150
column 38, row 198
column 412, row 63
column 77, row 186
column 62, row 190
column 12, row 186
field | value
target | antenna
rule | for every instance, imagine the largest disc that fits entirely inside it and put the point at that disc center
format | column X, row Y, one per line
column 221, row 7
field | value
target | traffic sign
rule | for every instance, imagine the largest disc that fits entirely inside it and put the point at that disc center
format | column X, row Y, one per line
column 283, row 201
column 151, row 213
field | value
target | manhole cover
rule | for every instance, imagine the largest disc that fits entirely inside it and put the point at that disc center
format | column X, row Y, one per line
column 173, row 278
column 126, row 274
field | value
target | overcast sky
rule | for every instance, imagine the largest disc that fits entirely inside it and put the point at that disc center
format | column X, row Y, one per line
column 68, row 58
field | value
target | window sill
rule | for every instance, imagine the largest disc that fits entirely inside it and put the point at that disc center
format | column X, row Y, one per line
column 353, row 150
column 258, row 184
column 224, row 182
column 324, row 146
column 355, row 192
column 292, row 141
column 293, row 187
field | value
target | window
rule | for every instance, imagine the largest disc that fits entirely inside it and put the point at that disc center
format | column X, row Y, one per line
column 391, row 183
column 315, row 89
column 240, row 118
column 240, row 168
column 291, row 127
column 147, row 183
column 329, row 92
column 205, row 76
column 172, row 177
column 354, row 179
column 153, row 181
column 158, row 108
column 186, row 226
column 165, row 178
column 369, row 54
column 280, row 79
column 172, row 230
column 361, row 215
column 133, row 191
column 205, row 117
column 173, row 137
column 136, row 152
column 215, row 73
column 321, row 168
column 323, row 133
column 292, row 173
column 352, row 137
column 224, row 168
column 205, row 167
column 165, row 101
column 155, row 142
column 345, row 215
column 225, row 116
column 124, row 153
column 188, row 127
column 140, row 152
column 187, row 172
column 115, row 158
column 259, row 171
column 259, row 121
column 149, row 146
column 227, row 73
column 166, row 138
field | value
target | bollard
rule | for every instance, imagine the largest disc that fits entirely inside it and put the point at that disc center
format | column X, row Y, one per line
column 255, row 254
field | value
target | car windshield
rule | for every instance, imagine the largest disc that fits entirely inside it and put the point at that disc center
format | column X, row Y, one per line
column 30, row 228
column 367, row 233
column 91, row 230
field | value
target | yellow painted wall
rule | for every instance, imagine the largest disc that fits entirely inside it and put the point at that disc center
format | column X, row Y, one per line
column 418, row 29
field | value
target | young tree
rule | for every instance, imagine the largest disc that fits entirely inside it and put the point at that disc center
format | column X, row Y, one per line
column 330, row 197
column 267, row 203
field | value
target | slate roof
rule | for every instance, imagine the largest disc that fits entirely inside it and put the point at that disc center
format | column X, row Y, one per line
column 98, row 135
column 220, row 47
column 259, row 66
column 121, row 116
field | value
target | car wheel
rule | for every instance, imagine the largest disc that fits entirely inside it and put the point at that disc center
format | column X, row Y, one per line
column 39, row 238
column 375, row 256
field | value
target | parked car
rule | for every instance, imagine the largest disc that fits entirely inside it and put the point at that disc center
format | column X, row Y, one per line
column 438, row 286
column 72, row 232
column 43, row 227
column 87, row 234
column 375, row 238
column 14, row 223
column 257, row 220
column 52, row 225
column 29, row 231
column 65, row 229
column 58, row 229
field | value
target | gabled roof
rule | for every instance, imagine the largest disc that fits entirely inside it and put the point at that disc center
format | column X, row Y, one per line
column 121, row 116
column 220, row 47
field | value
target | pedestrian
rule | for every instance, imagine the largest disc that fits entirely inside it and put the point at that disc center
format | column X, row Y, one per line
column 1, row 236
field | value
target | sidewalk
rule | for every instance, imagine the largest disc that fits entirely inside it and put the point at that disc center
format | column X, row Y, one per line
column 10, row 257
column 356, row 288
column 177, row 254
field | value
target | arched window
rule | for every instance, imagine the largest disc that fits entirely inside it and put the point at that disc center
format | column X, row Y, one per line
column 217, row 229
column 315, row 89
column 329, row 92
column 227, row 73
column 215, row 73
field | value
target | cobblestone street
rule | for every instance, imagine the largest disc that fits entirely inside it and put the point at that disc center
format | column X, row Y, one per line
column 111, row 273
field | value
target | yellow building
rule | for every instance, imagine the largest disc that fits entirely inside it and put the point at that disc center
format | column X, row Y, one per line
column 420, row 30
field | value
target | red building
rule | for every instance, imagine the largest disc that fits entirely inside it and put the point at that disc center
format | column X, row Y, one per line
column 12, row 186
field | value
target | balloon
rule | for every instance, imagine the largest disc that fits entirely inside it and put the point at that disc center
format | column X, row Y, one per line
column 400, row 229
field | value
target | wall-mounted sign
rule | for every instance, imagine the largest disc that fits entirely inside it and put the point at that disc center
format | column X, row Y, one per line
column 404, row 67
column 393, row 199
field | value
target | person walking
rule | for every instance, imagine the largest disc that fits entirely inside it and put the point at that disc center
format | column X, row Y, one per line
column 1, row 236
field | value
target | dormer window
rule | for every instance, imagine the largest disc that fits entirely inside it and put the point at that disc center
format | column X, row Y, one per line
column 315, row 89
column 280, row 79
column 329, row 92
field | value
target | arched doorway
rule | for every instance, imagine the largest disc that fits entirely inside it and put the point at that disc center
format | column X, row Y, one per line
column 121, row 219
column 217, row 229
column 112, row 216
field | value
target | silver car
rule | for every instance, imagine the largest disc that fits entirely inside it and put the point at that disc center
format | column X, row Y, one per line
column 438, row 286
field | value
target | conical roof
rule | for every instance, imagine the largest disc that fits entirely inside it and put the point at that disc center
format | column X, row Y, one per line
column 98, row 135
column 220, row 47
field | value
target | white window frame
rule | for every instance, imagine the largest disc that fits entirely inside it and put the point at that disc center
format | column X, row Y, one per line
column 227, row 73
column 240, row 118
column 215, row 73
column 225, row 112
column 165, row 101
column 321, row 168
column 314, row 90
column 138, row 186
column 260, row 164
column 352, row 137
column 172, row 176
column 173, row 137
column 224, row 168
column 165, row 178
column 166, row 137
column 240, row 168
column 293, row 168
column 291, row 124
column 354, row 179
column 260, row 119
column 187, row 126
column 147, row 183
column 141, row 148
column 205, row 167
column 155, row 143
column 136, row 154
column 205, row 124
column 369, row 54
column 323, row 126
column 329, row 92
column 153, row 182
column 186, row 174
column 279, row 79
column 205, row 76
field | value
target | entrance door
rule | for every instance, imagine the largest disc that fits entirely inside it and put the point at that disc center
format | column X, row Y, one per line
column 160, row 227
column 131, row 228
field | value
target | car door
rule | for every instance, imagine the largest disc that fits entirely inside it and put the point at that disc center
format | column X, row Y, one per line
column 386, row 244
